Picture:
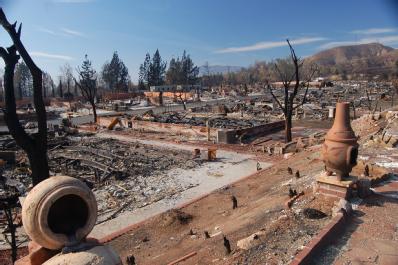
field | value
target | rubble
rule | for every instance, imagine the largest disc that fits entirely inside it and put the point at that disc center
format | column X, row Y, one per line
column 184, row 118
column 123, row 176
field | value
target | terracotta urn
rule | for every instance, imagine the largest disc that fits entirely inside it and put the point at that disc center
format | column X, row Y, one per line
column 340, row 149
column 59, row 211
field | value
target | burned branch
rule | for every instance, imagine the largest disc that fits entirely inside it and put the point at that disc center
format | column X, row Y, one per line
column 34, row 145
column 288, row 71
column 88, row 84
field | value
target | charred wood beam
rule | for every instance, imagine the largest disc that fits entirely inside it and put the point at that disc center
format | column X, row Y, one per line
column 98, row 152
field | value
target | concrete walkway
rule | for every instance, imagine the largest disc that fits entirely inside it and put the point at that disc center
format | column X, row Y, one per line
column 229, row 167
column 371, row 236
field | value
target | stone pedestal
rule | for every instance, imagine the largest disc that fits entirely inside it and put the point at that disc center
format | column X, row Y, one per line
column 329, row 186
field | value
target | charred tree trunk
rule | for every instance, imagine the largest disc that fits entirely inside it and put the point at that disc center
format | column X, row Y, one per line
column 290, row 94
column 160, row 98
column 288, row 128
column 20, row 94
column 68, row 86
column 44, row 91
column 61, row 92
column 53, row 90
column 182, row 101
column 34, row 145
column 94, row 111
column 38, row 163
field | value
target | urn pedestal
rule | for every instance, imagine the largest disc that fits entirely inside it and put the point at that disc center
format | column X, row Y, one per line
column 343, row 189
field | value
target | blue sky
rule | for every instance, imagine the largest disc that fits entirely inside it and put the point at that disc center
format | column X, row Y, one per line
column 222, row 32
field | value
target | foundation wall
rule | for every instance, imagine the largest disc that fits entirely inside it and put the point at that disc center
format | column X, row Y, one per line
column 221, row 135
column 232, row 136
column 197, row 131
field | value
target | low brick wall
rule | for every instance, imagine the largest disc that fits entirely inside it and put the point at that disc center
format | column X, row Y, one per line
column 184, row 129
column 221, row 135
column 232, row 136
column 329, row 233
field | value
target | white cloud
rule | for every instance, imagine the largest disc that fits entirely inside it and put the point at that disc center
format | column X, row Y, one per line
column 51, row 56
column 62, row 32
column 387, row 40
column 373, row 31
column 270, row 44
column 72, row 32
column 73, row 1
column 48, row 31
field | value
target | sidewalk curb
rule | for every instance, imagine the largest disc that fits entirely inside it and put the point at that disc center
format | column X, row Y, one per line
column 335, row 227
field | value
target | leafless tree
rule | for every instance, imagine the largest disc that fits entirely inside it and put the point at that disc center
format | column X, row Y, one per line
column 88, row 84
column 294, row 76
column 67, row 76
column 368, row 100
column 47, row 83
column 180, row 95
column 34, row 145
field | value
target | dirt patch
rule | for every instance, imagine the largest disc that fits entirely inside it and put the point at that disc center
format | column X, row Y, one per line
column 261, row 207
column 175, row 217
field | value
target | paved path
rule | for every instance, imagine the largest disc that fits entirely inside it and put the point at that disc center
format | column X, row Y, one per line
column 229, row 167
column 372, row 235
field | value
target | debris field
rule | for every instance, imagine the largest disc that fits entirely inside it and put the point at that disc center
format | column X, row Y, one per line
column 123, row 175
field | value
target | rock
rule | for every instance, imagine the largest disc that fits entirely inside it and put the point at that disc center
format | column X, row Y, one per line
column 342, row 204
column 364, row 188
column 376, row 116
column 30, row 125
column 283, row 217
column 250, row 241
column 287, row 155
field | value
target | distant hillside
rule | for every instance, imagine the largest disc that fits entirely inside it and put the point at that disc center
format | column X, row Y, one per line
column 368, row 59
column 219, row 69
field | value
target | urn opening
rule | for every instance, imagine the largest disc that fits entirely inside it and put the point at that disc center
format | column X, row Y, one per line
column 353, row 156
column 68, row 214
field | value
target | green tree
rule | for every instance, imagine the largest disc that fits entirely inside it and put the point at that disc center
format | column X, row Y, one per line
column 157, row 70
column 143, row 73
column 189, row 70
column 115, row 74
column 174, row 72
column 182, row 71
column 23, row 80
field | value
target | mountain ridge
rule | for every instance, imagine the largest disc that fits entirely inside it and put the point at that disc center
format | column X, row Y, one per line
column 367, row 59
